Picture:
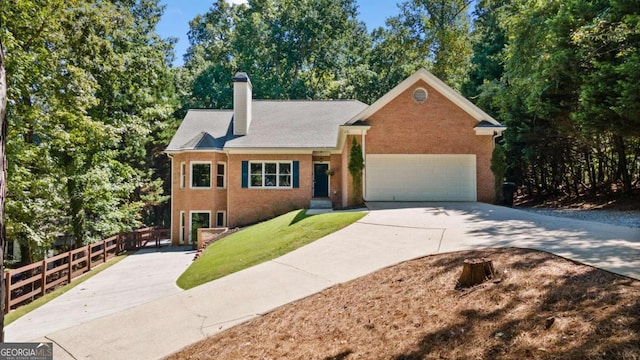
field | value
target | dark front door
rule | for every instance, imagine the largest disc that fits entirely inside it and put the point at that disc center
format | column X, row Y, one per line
column 320, row 180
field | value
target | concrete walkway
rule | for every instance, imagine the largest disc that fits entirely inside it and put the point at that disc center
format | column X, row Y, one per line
column 390, row 234
column 146, row 275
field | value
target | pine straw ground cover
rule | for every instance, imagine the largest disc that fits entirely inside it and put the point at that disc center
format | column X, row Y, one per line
column 540, row 306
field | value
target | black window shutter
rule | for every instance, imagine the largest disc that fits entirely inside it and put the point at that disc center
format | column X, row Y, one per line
column 296, row 171
column 245, row 174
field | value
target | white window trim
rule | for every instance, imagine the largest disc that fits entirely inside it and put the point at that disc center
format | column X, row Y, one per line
column 183, row 175
column 277, row 162
column 191, row 174
column 224, row 175
column 191, row 222
column 224, row 218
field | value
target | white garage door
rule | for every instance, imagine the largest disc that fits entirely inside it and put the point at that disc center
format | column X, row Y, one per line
column 420, row 178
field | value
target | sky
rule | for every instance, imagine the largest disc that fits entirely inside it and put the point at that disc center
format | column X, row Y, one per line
column 178, row 13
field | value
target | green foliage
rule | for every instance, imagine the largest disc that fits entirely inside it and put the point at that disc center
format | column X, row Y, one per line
column 562, row 75
column 89, row 89
column 262, row 242
column 486, row 69
column 314, row 49
column 499, row 169
column 3, row 171
column 440, row 32
column 291, row 49
column 356, row 165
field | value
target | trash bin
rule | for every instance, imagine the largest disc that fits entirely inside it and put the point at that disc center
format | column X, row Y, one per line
column 508, row 190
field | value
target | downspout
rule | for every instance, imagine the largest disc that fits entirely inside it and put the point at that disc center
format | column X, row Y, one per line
column 226, row 152
column 496, row 134
column 171, row 215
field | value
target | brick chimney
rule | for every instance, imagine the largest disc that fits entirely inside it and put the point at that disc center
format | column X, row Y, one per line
column 241, row 103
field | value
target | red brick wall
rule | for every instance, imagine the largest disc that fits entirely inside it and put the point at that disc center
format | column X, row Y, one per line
column 245, row 205
column 335, row 182
column 187, row 199
column 436, row 126
column 403, row 126
column 248, row 206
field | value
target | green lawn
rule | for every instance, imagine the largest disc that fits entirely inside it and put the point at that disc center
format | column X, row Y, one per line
column 262, row 242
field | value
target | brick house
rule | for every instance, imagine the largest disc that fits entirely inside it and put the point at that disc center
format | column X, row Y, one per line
column 422, row 141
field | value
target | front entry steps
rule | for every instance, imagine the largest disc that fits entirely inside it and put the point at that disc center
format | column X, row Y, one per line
column 320, row 206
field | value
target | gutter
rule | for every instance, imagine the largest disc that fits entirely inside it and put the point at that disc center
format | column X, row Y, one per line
column 171, row 209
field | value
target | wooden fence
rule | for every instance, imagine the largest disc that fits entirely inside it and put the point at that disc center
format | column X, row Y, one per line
column 29, row 282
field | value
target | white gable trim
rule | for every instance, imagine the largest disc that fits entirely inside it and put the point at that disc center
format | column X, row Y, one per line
column 349, row 130
column 494, row 130
column 434, row 82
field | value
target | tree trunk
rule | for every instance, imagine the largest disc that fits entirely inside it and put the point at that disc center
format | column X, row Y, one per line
column 623, row 168
column 593, row 179
column 3, row 180
column 476, row 271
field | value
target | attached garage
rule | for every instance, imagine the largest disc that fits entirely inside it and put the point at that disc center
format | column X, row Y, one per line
column 420, row 177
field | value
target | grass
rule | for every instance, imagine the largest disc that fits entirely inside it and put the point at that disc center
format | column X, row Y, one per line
column 539, row 306
column 262, row 242
column 21, row 311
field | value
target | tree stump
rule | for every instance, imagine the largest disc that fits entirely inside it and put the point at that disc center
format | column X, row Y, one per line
column 475, row 271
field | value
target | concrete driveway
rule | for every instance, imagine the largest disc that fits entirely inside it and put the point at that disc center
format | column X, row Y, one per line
column 144, row 276
column 475, row 225
column 391, row 233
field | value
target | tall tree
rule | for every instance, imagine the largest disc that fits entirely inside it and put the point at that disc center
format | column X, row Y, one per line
column 567, row 91
column 204, row 80
column 386, row 71
column 541, row 91
column 31, row 34
column 489, row 40
column 294, row 49
column 291, row 49
column 440, row 30
column 3, row 181
column 89, row 83
column 609, row 95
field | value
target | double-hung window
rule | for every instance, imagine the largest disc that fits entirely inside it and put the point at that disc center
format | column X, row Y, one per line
column 271, row 174
column 200, row 175
column 183, row 175
column 220, row 175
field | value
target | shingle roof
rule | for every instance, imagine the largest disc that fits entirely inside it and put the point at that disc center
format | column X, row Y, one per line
column 274, row 124
column 204, row 141
column 202, row 130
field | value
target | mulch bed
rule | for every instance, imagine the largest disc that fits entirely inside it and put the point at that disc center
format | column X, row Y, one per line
column 539, row 306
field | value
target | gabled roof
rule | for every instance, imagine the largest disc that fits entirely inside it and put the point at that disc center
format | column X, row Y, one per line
column 302, row 124
column 275, row 124
column 438, row 85
column 296, row 123
column 202, row 130
column 204, row 141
